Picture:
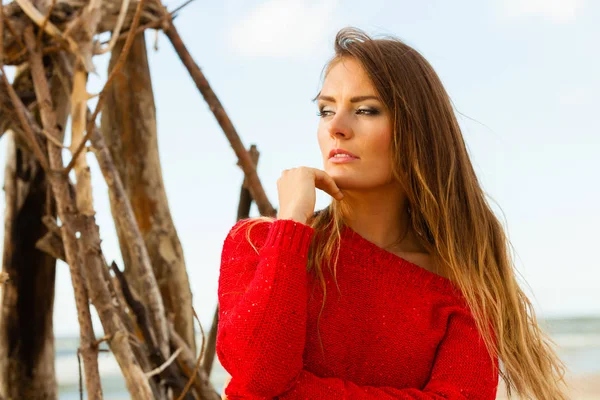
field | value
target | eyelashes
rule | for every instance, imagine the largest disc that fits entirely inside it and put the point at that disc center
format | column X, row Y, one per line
column 361, row 111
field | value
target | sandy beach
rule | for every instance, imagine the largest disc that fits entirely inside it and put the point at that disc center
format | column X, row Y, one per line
column 581, row 388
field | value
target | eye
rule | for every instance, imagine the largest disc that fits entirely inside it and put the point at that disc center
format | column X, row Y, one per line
column 324, row 113
column 367, row 111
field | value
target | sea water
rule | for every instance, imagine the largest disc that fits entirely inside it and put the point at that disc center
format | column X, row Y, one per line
column 577, row 340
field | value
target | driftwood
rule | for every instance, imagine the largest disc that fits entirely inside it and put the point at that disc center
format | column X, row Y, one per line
column 167, row 370
column 139, row 347
column 26, row 333
column 26, row 328
column 90, row 244
column 56, row 38
column 63, row 13
column 66, row 211
column 129, row 129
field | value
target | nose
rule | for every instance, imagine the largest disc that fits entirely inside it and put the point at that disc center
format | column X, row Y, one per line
column 340, row 127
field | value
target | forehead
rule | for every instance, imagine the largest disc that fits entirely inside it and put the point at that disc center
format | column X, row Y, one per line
column 347, row 75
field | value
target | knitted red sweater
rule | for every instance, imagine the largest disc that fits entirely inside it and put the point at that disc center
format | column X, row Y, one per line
column 393, row 330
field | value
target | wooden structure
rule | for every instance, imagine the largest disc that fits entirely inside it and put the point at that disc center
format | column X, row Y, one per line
column 49, row 216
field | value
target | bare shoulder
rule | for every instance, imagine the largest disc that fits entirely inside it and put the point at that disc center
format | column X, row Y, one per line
column 425, row 261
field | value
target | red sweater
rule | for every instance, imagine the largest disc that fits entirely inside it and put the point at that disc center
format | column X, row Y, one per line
column 396, row 331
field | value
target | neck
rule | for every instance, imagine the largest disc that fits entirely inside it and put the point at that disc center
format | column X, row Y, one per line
column 381, row 216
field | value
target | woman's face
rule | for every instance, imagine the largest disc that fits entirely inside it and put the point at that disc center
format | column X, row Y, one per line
column 353, row 119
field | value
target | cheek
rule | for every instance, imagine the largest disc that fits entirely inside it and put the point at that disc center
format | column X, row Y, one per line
column 322, row 139
column 381, row 141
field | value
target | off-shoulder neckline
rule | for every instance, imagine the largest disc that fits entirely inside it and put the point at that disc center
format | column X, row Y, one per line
column 360, row 243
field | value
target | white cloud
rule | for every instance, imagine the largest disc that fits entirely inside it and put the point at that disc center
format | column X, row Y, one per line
column 562, row 11
column 283, row 28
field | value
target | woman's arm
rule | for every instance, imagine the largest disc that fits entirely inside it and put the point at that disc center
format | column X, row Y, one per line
column 262, row 305
column 462, row 370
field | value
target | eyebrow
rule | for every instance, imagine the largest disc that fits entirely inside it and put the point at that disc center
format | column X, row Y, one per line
column 355, row 99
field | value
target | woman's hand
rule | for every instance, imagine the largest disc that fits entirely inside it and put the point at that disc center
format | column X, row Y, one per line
column 297, row 192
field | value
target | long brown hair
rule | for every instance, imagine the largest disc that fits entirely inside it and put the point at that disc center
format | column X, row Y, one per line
column 449, row 212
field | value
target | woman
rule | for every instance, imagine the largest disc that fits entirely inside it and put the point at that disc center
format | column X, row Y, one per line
column 425, row 304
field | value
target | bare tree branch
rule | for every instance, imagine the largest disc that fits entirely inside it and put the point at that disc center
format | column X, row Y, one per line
column 254, row 184
column 67, row 214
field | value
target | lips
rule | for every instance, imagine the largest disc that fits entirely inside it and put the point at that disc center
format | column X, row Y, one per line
column 333, row 152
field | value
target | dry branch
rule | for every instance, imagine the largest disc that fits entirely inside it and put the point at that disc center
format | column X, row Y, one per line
column 128, row 126
column 254, row 184
column 90, row 242
column 187, row 362
column 153, row 300
column 79, row 99
column 64, row 13
column 20, row 110
column 117, row 30
column 92, row 121
column 26, row 330
column 139, row 348
column 198, row 362
column 38, row 18
column 159, row 370
column 166, row 369
column 67, row 214
column 65, row 22
column 125, row 215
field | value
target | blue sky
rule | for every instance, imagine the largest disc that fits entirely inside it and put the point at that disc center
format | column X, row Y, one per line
column 522, row 74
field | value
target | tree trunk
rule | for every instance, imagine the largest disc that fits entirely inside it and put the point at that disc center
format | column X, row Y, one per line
column 26, row 328
column 26, row 331
column 129, row 128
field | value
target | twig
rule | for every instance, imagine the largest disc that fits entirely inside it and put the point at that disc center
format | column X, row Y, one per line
column 198, row 362
column 153, row 24
column 62, row 193
column 46, row 19
column 160, row 369
column 115, row 34
column 125, row 215
column 139, row 311
column 48, row 27
column 188, row 2
column 19, row 106
column 54, row 140
column 13, row 31
column 92, row 122
column 136, row 307
column 104, row 338
column 149, row 25
column 15, row 59
column 209, row 357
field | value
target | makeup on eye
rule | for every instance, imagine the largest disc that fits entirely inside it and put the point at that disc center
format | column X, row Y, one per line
column 360, row 111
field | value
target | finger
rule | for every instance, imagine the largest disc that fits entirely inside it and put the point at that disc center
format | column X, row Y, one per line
column 325, row 182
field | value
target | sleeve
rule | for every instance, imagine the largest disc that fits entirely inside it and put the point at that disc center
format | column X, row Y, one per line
column 462, row 370
column 263, row 307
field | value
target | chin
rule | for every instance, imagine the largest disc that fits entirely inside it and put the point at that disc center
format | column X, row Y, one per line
column 343, row 181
